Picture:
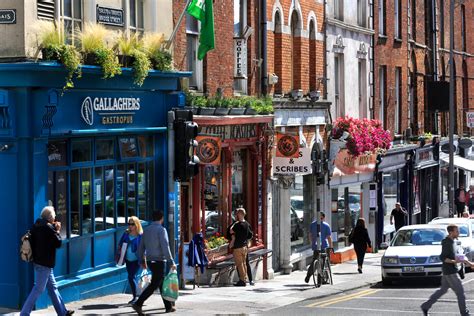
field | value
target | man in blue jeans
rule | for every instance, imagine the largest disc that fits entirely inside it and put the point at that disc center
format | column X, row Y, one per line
column 45, row 239
column 156, row 245
column 325, row 241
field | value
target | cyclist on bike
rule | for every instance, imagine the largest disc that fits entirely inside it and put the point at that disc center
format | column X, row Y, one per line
column 325, row 241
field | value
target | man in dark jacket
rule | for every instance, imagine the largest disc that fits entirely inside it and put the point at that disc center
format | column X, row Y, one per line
column 45, row 239
column 241, row 234
column 450, row 278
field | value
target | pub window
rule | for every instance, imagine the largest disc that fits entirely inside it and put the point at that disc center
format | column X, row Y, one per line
column 128, row 147
column 90, row 198
column 104, row 149
column 71, row 19
column 136, row 16
column 81, row 151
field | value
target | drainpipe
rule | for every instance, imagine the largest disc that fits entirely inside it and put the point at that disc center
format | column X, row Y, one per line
column 435, row 56
column 263, row 50
column 325, row 57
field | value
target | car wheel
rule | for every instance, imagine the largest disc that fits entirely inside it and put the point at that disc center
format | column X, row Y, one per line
column 386, row 281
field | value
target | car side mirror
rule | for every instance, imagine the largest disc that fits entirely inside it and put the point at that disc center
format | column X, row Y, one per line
column 383, row 245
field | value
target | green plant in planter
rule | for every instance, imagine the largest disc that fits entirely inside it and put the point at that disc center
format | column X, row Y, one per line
column 51, row 43
column 200, row 102
column 141, row 66
column 94, row 40
column 262, row 106
column 237, row 102
column 226, row 103
column 153, row 46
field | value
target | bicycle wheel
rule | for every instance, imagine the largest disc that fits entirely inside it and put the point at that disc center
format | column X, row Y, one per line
column 328, row 265
column 317, row 278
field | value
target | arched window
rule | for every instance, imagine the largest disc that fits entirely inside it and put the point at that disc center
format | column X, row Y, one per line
column 277, row 53
column 312, row 57
column 295, row 52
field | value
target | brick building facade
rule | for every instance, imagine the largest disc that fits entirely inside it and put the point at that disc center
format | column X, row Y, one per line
column 406, row 35
column 295, row 45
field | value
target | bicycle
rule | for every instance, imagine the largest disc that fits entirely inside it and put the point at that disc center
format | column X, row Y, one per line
column 322, row 268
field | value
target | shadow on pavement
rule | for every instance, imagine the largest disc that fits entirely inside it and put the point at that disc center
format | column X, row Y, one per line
column 408, row 284
column 102, row 306
column 345, row 273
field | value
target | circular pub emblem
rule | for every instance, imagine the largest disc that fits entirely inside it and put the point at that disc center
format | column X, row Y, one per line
column 207, row 150
column 287, row 146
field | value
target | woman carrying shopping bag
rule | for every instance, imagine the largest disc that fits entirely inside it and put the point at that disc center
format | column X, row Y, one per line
column 360, row 238
column 131, row 239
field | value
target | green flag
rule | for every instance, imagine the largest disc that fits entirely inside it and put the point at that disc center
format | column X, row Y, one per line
column 202, row 10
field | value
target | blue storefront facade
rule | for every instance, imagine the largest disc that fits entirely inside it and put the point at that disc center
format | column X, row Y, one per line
column 98, row 153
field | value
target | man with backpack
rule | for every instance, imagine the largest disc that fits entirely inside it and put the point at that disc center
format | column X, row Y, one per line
column 45, row 239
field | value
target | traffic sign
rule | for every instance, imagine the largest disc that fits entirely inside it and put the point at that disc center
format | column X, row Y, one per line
column 470, row 119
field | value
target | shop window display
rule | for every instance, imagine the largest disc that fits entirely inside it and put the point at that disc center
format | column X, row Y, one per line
column 300, row 219
column 93, row 196
column 213, row 212
column 340, row 224
column 391, row 194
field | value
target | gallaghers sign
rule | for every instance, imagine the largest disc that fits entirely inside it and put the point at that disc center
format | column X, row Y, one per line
column 109, row 110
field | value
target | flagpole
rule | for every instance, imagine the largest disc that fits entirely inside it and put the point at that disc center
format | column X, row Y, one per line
column 175, row 30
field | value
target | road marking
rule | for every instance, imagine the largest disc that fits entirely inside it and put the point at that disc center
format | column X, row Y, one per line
column 364, row 309
column 409, row 298
column 342, row 298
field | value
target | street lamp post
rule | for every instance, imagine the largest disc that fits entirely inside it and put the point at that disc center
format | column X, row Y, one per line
column 452, row 110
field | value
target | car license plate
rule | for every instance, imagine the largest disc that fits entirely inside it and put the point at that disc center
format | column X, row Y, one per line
column 413, row 269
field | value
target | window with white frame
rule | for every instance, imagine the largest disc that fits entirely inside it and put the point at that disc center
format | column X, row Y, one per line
column 339, row 85
column 136, row 16
column 382, row 19
column 193, row 63
column 398, row 100
column 339, row 9
column 398, row 19
column 362, row 13
column 71, row 19
column 362, row 75
column 240, row 27
column 382, row 93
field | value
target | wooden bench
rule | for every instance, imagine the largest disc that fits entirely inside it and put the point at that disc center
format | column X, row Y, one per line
column 228, row 265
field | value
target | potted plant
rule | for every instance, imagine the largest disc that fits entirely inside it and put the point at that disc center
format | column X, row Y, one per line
column 238, row 106
column 94, row 40
column 126, row 44
column 222, row 107
column 52, row 46
column 160, row 58
column 206, row 106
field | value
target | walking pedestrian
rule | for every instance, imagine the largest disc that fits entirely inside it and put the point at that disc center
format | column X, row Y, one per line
column 450, row 278
column 231, row 238
column 45, row 239
column 132, row 237
column 360, row 238
column 470, row 199
column 239, row 243
column 155, row 243
column 460, row 198
column 398, row 214
column 325, row 241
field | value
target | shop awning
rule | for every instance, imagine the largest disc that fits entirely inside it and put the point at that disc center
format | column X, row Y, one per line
column 460, row 162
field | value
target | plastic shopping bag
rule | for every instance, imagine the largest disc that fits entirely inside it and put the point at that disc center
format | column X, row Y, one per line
column 143, row 280
column 170, row 286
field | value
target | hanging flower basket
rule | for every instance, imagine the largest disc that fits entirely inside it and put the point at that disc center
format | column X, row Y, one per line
column 361, row 136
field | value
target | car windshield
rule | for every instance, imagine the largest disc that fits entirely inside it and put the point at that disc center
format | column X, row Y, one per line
column 419, row 237
column 297, row 204
column 463, row 228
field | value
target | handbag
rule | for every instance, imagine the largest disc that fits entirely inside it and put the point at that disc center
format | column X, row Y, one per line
column 143, row 280
column 170, row 288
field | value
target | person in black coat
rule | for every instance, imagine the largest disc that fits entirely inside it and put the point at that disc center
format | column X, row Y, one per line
column 45, row 239
column 360, row 238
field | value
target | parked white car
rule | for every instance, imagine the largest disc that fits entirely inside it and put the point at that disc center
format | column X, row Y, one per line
column 414, row 253
column 466, row 237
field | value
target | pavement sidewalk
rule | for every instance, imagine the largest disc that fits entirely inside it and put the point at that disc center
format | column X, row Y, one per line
column 264, row 296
